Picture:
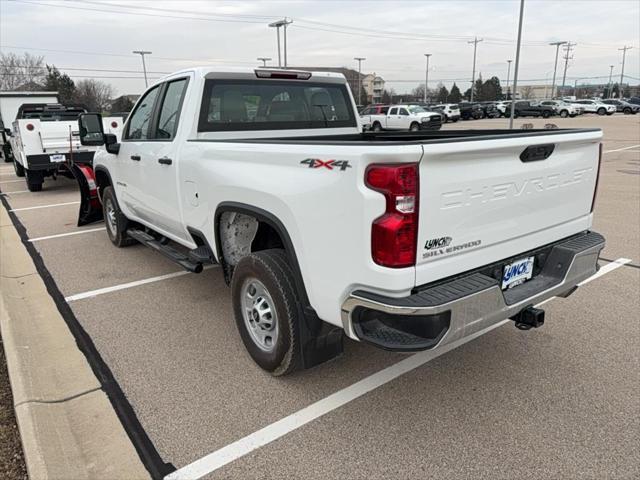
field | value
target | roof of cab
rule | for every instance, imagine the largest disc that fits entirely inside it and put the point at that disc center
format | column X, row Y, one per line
column 215, row 71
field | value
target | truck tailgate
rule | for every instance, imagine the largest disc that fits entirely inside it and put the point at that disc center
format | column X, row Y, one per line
column 481, row 203
column 56, row 135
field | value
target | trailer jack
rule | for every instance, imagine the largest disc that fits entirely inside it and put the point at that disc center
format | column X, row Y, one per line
column 529, row 317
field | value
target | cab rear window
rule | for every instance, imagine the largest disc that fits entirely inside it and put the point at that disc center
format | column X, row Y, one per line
column 237, row 105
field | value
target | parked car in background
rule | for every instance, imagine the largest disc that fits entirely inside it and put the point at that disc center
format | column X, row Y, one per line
column 470, row 111
column 563, row 109
column 502, row 106
column 634, row 100
column 596, row 106
column 529, row 109
column 451, row 111
column 622, row 106
column 403, row 117
column 490, row 110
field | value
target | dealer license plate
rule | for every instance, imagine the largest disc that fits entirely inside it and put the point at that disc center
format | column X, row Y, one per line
column 517, row 273
column 57, row 158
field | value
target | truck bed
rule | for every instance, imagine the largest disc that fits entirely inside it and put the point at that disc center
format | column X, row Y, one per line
column 422, row 137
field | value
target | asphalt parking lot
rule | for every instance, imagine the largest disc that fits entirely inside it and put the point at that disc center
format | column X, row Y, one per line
column 557, row 402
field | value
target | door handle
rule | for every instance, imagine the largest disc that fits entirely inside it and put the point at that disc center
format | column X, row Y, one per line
column 165, row 161
column 135, row 157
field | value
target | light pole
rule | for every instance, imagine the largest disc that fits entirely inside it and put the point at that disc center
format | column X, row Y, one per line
column 515, row 73
column 281, row 23
column 508, row 73
column 609, row 84
column 426, row 77
column 142, row 53
column 555, row 66
column 264, row 60
column 624, row 54
column 567, row 48
column 475, row 42
column 360, row 60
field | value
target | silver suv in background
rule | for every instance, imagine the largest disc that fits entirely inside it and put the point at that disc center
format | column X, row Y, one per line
column 563, row 108
column 622, row 106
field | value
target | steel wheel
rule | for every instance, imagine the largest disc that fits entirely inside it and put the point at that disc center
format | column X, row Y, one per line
column 260, row 315
column 110, row 218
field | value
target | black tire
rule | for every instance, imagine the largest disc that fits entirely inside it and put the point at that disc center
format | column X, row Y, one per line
column 414, row 127
column 564, row 113
column 601, row 111
column 626, row 111
column 376, row 127
column 19, row 169
column 115, row 221
column 34, row 180
column 546, row 114
column 271, row 269
column 455, row 120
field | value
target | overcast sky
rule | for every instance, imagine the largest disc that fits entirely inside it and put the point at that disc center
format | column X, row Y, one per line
column 392, row 35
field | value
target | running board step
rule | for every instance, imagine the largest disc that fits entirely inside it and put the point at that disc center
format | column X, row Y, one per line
column 171, row 253
column 202, row 254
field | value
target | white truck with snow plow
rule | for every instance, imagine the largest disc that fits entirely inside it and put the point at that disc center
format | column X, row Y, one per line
column 407, row 241
column 44, row 141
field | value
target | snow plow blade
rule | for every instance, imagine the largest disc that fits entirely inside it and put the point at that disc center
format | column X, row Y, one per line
column 90, row 206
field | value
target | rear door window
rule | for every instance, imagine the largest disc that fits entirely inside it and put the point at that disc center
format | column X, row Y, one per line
column 236, row 105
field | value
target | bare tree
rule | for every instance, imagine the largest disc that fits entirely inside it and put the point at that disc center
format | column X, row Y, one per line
column 527, row 92
column 93, row 95
column 21, row 72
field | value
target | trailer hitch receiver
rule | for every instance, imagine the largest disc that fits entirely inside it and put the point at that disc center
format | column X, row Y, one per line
column 529, row 317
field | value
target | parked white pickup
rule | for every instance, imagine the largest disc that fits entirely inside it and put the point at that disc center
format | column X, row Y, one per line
column 46, row 136
column 405, row 240
column 404, row 117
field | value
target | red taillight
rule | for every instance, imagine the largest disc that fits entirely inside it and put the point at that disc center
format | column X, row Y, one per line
column 595, row 189
column 394, row 234
column 114, row 125
column 30, row 126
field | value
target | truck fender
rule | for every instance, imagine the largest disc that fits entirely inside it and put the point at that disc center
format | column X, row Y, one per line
column 90, row 206
column 319, row 341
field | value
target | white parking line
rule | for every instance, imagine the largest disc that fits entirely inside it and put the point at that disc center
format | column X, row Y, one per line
column 17, row 191
column 48, row 237
column 268, row 434
column 124, row 286
column 12, row 181
column 43, row 206
column 620, row 149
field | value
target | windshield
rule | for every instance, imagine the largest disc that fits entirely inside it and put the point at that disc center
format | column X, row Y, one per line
column 229, row 105
column 416, row 109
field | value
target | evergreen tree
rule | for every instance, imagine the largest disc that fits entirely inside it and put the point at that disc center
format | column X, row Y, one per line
column 443, row 93
column 454, row 95
column 61, row 83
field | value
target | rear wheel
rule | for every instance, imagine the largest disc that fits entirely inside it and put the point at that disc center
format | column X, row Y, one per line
column 626, row 111
column 19, row 169
column 414, row 127
column 602, row 111
column 35, row 180
column 266, row 309
column 546, row 114
column 117, row 223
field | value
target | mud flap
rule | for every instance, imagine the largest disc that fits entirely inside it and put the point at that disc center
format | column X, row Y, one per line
column 90, row 206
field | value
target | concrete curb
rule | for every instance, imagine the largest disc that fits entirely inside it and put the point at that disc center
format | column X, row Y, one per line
column 68, row 427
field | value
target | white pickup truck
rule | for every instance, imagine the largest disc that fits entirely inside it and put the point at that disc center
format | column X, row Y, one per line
column 44, row 141
column 407, row 241
column 403, row 117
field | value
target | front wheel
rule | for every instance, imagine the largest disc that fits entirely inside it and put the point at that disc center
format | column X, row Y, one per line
column 266, row 309
column 376, row 127
column 564, row 113
column 601, row 111
column 414, row 127
column 546, row 114
column 117, row 223
column 19, row 169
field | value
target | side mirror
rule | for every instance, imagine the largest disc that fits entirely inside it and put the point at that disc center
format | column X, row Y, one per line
column 111, row 143
column 91, row 131
column 7, row 131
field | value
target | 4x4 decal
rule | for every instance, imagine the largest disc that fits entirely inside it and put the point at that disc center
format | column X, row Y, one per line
column 330, row 164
